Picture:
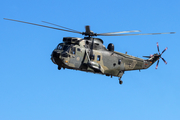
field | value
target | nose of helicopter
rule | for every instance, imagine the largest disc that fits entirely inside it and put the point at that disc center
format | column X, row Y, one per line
column 54, row 56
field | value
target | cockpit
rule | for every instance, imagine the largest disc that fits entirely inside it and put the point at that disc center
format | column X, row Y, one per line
column 66, row 49
column 61, row 46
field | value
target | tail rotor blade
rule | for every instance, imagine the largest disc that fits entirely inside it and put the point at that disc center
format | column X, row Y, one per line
column 157, row 64
column 164, row 50
column 164, row 60
column 147, row 56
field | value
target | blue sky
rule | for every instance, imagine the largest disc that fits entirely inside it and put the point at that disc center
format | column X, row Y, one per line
column 31, row 87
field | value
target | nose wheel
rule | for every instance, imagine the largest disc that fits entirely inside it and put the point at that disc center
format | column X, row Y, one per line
column 120, row 82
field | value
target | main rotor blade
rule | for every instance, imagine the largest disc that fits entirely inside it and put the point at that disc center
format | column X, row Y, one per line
column 119, row 32
column 135, row 34
column 43, row 25
column 60, row 26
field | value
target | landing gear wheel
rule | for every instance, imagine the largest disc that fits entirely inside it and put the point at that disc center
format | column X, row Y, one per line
column 59, row 67
column 120, row 82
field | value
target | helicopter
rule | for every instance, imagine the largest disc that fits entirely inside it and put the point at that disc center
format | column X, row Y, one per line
column 90, row 55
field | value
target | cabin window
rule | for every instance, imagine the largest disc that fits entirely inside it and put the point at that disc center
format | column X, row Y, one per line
column 78, row 49
column 98, row 58
column 119, row 61
column 73, row 50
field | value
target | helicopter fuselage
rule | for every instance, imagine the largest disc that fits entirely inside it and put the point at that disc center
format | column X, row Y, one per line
column 92, row 56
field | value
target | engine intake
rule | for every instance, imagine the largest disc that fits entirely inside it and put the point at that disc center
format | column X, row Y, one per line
column 110, row 47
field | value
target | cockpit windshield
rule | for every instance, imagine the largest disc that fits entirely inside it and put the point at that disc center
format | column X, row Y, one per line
column 63, row 47
column 60, row 46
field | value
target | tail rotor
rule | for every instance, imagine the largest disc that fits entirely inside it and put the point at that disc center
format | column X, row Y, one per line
column 157, row 56
column 160, row 54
